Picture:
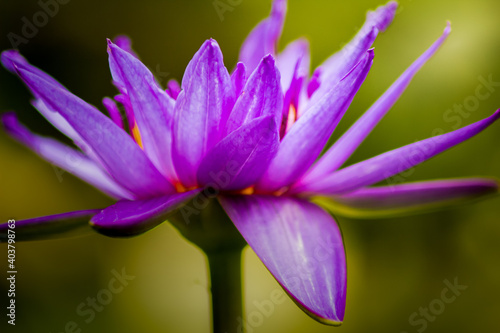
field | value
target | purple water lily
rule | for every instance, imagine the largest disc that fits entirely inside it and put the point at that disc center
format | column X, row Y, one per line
column 254, row 138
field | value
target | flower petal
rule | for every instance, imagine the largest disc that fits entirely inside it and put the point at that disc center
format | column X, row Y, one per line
column 125, row 43
column 119, row 154
column 173, row 88
column 201, row 110
column 383, row 166
column 113, row 111
column 261, row 96
column 46, row 227
column 130, row 218
column 307, row 137
column 297, row 52
column 65, row 158
column 153, row 108
column 301, row 245
column 343, row 148
column 12, row 59
column 239, row 78
column 335, row 67
column 263, row 38
column 408, row 198
column 237, row 161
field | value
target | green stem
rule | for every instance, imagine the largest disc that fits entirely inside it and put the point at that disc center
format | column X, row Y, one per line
column 225, row 277
column 213, row 232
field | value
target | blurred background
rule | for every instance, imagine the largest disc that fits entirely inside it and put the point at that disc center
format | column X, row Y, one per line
column 396, row 266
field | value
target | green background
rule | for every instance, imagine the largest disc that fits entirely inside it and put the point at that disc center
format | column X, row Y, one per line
column 395, row 265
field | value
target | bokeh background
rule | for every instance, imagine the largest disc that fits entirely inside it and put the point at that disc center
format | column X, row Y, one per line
column 396, row 265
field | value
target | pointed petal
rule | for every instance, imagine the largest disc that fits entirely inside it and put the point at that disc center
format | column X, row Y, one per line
column 65, row 158
column 408, row 198
column 12, row 59
column 153, row 109
column 297, row 52
column 241, row 158
column 261, row 96
column 347, row 144
column 201, row 110
column 383, row 166
column 173, row 88
column 239, row 78
column 46, row 227
column 335, row 67
column 119, row 154
column 130, row 218
column 125, row 43
column 301, row 245
column 113, row 111
column 307, row 137
column 263, row 38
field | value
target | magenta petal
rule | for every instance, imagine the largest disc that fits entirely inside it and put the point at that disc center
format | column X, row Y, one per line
column 335, row 67
column 418, row 193
column 383, row 166
column 303, row 143
column 263, row 39
column 201, row 110
column 125, row 43
column 295, row 53
column 65, row 158
column 262, row 96
column 239, row 78
column 46, row 227
column 113, row 111
column 153, row 108
column 12, row 59
column 130, row 218
column 116, row 150
column 301, row 245
column 241, row 158
column 347, row 144
column 173, row 88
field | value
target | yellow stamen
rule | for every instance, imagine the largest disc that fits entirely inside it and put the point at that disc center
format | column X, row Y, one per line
column 137, row 135
column 248, row 191
column 292, row 117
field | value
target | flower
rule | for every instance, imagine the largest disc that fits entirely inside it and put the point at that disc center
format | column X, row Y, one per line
column 253, row 139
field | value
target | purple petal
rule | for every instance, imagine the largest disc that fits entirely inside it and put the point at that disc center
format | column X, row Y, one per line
column 113, row 111
column 307, row 137
column 125, row 43
column 12, row 59
column 263, row 38
column 405, row 196
column 261, row 96
column 301, row 245
column 53, row 226
column 241, row 158
column 174, row 89
column 130, row 218
column 118, row 153
column 65, row 158
column 335, row 67
column 239, row 78
column 153, row 109
column 347, row 144
column 392, row 162
column 201, row 110
column 296, row 54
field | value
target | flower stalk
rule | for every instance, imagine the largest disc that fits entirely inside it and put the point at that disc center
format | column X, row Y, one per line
column 211, row 230
column 226, row 288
